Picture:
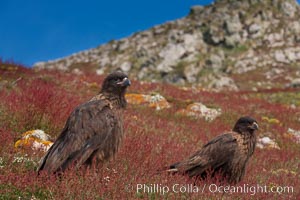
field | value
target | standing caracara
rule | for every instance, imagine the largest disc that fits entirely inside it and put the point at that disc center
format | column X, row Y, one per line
column 227, row 154
column 93, row 131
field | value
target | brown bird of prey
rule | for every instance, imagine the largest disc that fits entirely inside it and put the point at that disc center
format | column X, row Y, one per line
column 226, row 154
column 93, row 131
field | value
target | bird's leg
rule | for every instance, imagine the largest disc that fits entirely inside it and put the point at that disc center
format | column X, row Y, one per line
column 195, row 180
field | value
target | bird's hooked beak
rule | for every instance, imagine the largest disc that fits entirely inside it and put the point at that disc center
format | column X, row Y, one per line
column 125, row 82
column 254, row 126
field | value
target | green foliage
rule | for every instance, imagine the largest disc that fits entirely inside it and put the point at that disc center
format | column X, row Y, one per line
column 179, row 68
column 287, row 98
column 205, row 72
column 236, row 50
column 13, row 192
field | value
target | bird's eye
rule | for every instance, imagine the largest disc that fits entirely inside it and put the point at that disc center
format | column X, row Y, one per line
column 116, row 79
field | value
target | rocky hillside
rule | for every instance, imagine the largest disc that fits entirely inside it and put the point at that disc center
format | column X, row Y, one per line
column 235, row 45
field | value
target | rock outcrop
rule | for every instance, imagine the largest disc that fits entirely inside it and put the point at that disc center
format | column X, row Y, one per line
column 35, row 140
column 215, row 46
column 199, row 110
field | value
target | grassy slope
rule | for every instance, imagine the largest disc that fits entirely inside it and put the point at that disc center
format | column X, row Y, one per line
column 154, row 139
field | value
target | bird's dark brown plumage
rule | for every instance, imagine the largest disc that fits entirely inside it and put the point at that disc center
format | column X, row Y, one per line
column 93, row 131
column 227, row 154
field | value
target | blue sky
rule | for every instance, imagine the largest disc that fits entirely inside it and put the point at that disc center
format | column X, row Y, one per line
column 37, row 30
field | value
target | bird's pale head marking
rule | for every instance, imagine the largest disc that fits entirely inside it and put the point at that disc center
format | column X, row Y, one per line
column 245, row 124
column 116, row 83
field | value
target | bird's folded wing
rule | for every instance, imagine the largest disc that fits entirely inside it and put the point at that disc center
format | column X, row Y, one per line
column 87, row 121
column 213, row 154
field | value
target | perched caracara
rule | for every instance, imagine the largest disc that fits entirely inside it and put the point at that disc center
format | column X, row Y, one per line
column 227, row 154
column 93, row 131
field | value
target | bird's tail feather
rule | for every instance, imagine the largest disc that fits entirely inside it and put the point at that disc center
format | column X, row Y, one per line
column 171, row 168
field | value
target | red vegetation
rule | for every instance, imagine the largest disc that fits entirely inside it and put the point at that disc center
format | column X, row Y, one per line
column 154, row 139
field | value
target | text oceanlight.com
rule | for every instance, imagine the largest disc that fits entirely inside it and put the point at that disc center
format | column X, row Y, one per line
column 212, row 188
